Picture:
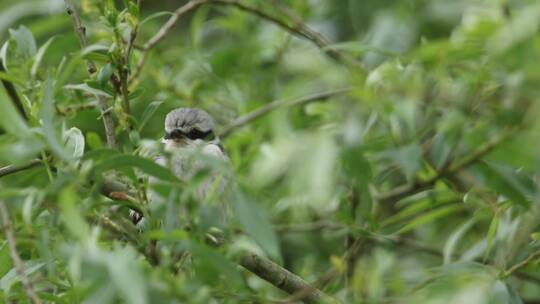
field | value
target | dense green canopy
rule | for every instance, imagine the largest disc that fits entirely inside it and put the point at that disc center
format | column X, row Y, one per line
column 382, row 151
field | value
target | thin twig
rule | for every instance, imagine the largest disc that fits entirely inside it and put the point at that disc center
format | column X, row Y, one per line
column 300, row 30
column 320, row 40
column 17, row 262
column 10, row 169
column 246, row 119
column 533, row 256
column 106, row 115
column 419, row 185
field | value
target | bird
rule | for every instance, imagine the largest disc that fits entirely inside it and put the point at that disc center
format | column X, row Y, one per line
column 188, row 132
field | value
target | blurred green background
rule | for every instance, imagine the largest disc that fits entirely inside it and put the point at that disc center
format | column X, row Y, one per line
column 417, row 184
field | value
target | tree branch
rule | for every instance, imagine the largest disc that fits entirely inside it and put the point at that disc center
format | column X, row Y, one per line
column 106, row 115
column 17, row 262
column 300, row 29
column 10, row 169
column 246, row 119
column 261, row 267
column 283, row 279
column 321, row 41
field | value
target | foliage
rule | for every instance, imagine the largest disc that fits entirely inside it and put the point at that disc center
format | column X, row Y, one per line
column 415, row 183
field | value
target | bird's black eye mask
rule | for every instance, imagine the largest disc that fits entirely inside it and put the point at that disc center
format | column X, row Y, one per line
column 193, row 134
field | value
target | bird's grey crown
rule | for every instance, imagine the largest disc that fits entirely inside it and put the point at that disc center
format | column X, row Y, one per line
column 188, row 119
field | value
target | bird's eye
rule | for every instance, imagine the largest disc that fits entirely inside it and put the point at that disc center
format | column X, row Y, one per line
column 175, row 134
column 198, row 134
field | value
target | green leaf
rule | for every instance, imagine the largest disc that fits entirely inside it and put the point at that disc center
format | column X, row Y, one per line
column 491, row 235
column 408, row 159
column 26, row 44
column 71, row 216
column 255, row 222
column 212, row 267
column 356, row 165
column 127, row 276
column 96, row 52
column 94, row 141
column 39, row 56
column 47, row 115
column 12, row 121
column 148, row 112
column 455, row 237
column 154, row 16
column 105, row 73
column 517, row 187
column 132, row 161
column 430, row 217
column 86, row 88
column 5, row 259
column 7, row 281
column 12, row 79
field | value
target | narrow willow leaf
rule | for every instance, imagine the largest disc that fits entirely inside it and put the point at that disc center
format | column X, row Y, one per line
column 7, row 281
column 430, row 217
column 213, row 267
column 105, row 73
column 86, row 88
column 39, row 56
column 47, row 115
column 26, row 44
column 5, row 259
column 255, row 222
column 12, row 79
column 147, row 166
column 453, row 240
column 154, row 16
column 71, row 215
column 505, row 180
column 127, row 277
column 492, row 231
column 148, row 112
column 12, row 121
column 94, row 141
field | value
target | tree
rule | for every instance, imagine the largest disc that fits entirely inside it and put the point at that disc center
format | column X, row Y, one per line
column 384, row 151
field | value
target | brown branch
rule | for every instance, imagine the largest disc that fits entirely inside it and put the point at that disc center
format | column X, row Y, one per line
column 17, row 262
column 10, row 169
column 283, row 279
column 246, row 119
column 106, row 115
column 300, row 30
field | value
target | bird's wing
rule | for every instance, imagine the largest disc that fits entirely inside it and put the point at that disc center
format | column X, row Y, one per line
column 214, row 150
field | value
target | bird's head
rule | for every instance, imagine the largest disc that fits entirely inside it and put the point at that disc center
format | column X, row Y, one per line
column 187, row 127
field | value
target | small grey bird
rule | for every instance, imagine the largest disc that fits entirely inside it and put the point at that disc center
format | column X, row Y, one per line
column 189, row 131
